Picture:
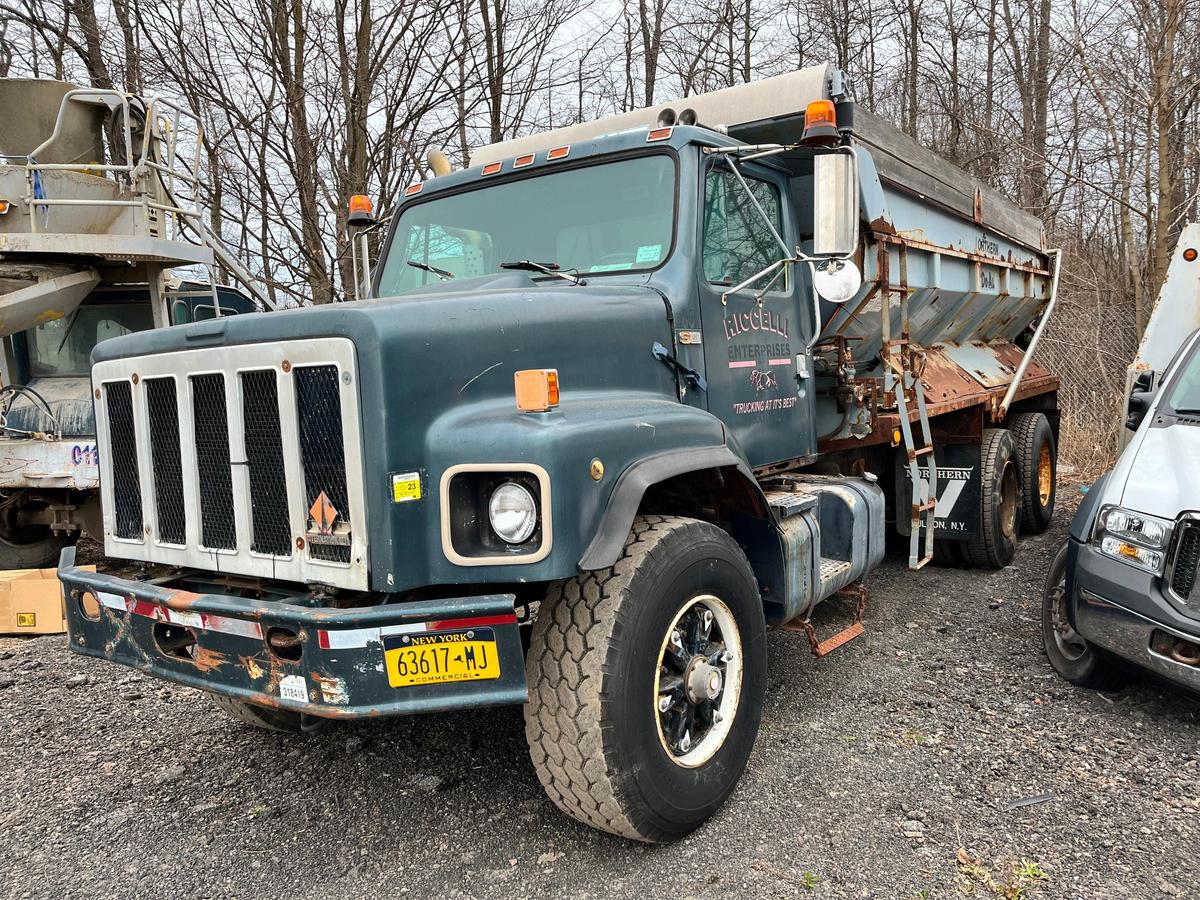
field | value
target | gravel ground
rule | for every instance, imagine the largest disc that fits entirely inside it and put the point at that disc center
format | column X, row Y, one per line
column 885, row 770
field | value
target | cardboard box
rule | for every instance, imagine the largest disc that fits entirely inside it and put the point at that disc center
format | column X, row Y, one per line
column 31, row 602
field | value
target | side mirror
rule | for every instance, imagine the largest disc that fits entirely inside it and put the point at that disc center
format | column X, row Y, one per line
column 1139, row 405
column 1140, row 398
column 835, row 203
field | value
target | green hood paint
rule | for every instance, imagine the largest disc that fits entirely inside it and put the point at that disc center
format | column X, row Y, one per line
column 435, row 380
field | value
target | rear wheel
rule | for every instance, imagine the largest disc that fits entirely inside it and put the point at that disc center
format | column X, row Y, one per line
column 646, row 682
column 269, row 718
column 999, row 504
column 1037, row 464
column 1069, row 653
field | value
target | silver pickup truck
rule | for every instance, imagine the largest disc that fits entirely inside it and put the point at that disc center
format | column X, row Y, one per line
column 1124, row 589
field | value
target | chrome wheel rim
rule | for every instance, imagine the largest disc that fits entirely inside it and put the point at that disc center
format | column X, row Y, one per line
column 697, row 681
column 1068, row 641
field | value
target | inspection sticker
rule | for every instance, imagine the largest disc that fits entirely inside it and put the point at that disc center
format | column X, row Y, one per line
column 293, row 687
column 26, row 620
column 406, row 487
column 649, row 253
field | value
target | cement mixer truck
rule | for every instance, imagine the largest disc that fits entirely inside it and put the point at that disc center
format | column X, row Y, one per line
column 625, row 394
column 99, row 203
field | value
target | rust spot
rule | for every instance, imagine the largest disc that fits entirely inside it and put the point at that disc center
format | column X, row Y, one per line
column 134, row 378
column 181, row 601
column 286, row 366
column 206, row 659
column 253, row 669
column 299, row 543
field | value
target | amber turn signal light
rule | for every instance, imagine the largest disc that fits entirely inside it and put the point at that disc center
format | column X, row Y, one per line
column 536, row 389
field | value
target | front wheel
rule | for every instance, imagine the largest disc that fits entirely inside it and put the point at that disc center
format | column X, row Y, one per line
column 1069, row 654
column 646, row 682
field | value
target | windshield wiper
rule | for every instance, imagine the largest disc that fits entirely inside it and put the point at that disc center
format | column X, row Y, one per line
column 440, row 273
column 545, row 268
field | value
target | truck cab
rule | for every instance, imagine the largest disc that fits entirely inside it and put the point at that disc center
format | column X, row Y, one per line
column 624, row 395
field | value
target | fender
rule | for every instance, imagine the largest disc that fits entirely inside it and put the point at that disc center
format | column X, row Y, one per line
column 626, row 497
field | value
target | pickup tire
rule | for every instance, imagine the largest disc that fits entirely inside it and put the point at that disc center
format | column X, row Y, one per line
column 268, row 718
column 1069, row 654
column 610, row 694
column 1037, row 465
column 999, row 503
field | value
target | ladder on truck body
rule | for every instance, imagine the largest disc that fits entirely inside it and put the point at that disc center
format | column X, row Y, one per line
column 900, row 377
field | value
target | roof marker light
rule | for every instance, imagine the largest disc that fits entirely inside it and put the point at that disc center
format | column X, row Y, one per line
column 522, row 161
column 558, row 152
column 659, row 134
column 413, row 189
column 492, row 168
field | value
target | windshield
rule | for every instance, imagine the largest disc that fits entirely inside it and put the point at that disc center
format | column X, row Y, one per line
column 64, row 346
column 611, row 217
column 1185, row 389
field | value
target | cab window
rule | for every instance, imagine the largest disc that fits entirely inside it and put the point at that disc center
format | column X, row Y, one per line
column 737, row 242
column 64, row 346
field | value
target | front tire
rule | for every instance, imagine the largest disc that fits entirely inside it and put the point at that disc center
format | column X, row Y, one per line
column 1069, row 654
column 646, row 682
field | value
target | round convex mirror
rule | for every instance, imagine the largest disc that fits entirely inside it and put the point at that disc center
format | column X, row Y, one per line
column 837, row 280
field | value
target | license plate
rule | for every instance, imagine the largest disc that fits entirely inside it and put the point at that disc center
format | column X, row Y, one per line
column 441, row 657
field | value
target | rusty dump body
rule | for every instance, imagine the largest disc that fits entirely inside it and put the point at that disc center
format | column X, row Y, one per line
column 955, row 279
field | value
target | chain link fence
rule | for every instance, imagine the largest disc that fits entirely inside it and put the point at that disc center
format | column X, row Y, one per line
column 1089, row 344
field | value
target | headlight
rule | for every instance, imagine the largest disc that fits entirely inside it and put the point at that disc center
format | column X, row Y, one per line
column 1133, row 537
column 512, row 512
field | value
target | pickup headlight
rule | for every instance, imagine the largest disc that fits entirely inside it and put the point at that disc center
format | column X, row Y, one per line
column 1133, row 537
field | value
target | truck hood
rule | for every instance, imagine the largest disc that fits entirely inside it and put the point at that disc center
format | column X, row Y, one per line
column 1159, row 472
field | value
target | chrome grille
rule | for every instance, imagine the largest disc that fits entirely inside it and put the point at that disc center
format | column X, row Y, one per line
column 125, row 481
column 1186, row 561
column 319, row 404
column 217, row 526
column 264, row 464
column 163, row 414
column 214, row 458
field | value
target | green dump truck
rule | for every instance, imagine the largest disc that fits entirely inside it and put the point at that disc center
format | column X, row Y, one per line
column 625, row 395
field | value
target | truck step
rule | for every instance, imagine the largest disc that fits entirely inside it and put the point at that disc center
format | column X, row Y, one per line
column 855, row 629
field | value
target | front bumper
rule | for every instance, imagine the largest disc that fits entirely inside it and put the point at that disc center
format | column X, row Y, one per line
column 339, row 665
column 1122, row 610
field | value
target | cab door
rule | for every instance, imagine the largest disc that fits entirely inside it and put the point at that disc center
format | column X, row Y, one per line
column 754, row 354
